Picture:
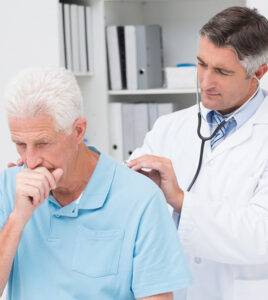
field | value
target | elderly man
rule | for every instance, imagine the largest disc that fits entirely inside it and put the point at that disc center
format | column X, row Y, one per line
column 74, row 223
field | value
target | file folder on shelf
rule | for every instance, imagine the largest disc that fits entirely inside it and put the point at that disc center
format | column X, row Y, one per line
column 75, row 37
column 82, row 39
column 131, row 57
column 89, row 39
column 116, row 131
column 62, row 43
column 135, row 56
column 129, row 123
column 68, row 36
column 149, row 56
column 113, row 58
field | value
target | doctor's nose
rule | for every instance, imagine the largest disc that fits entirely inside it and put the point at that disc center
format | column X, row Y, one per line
column 32, row 158
column 207, row 80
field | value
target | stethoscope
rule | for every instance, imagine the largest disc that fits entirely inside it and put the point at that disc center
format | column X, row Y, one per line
column 205, row 139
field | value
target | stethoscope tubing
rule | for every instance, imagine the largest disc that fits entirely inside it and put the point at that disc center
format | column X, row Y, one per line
column 205, row 139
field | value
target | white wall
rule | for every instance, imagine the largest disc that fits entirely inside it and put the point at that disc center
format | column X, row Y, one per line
column 262, row 6
column 28, row 31
column 29, row 38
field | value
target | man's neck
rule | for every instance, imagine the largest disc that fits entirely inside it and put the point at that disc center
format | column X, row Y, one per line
column 78, row 177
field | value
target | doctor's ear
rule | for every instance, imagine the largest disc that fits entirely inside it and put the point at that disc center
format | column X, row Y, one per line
column 260, row 71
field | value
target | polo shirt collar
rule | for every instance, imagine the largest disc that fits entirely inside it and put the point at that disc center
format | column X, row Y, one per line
column 97, row 189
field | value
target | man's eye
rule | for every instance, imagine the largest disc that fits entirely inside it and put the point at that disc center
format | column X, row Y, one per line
column 201, row 64
column 222, row 72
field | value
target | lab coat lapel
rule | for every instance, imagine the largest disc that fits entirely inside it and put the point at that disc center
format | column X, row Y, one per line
column 245, row 132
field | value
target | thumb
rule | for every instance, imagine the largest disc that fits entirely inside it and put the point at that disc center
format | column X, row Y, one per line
column 57, row 174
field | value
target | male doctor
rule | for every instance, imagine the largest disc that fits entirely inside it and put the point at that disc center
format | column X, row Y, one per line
column 223, row 219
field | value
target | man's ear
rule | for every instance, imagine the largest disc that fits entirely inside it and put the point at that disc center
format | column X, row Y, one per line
column 79, row 129
column 261, row 71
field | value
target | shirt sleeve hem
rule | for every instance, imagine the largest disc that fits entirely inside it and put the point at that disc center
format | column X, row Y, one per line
column 144, row 291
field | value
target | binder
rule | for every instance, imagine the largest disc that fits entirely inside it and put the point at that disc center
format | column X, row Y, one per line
column 149, row 56
column 89, row 39
column 68, row 37
column 122, row 54
column 82, row 39
column 116, row 131
column 131, row 57
column 113, row 58
column 152, row 114
column 140, row 123
column 75, row 38
column 62, row 42
column 165, row 108
column 128, row 123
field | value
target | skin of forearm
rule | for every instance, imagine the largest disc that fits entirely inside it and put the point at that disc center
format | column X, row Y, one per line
column 9, row 241
column 165, row 296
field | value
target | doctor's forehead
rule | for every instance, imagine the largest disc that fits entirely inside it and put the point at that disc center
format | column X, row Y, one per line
column 209, row 53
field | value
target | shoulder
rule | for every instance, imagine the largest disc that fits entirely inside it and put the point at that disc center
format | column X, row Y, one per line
column 134, row 185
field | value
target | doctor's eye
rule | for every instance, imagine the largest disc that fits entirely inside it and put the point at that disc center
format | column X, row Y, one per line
column 201, row 64
column 222, row 72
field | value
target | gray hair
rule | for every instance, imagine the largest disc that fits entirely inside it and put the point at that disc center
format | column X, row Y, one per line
column 245, row 31
column 52, row 91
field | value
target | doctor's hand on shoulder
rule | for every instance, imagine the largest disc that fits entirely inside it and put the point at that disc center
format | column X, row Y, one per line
column 32, row 188
column 162, row 173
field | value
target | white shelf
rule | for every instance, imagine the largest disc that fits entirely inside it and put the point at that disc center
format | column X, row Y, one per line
column 84, row 74
column 162, row 91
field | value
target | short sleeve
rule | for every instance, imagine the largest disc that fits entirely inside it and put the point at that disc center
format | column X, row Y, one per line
column 2, row 211
column 159, row 264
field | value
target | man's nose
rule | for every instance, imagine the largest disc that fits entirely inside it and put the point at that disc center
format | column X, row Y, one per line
column 208, row 80
column 33, row 158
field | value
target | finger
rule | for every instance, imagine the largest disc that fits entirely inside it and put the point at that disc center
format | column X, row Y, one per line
column 31, row 192
column 44, row 172
column 57, row 174
column 145, row 164
column 144, row 172
column 10, row 165
column 20, row 162
column 144, row 159
column 35, row 179
column 152, row 162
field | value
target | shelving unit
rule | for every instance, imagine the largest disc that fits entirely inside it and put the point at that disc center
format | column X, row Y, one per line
column 180, row 21
column 150, row 92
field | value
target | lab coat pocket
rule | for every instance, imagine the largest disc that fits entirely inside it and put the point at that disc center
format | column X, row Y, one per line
column 97, row 252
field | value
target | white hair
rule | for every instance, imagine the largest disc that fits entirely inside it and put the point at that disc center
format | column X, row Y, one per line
column 51, row 91
column 252, row 63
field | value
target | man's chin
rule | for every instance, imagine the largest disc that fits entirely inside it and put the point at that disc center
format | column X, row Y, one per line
column 211, row 104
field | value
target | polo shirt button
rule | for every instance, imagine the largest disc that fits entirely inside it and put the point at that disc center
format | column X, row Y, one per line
column 198, row 260
column 57, row 215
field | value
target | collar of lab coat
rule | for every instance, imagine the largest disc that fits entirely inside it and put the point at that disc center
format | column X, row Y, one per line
column 240, row 135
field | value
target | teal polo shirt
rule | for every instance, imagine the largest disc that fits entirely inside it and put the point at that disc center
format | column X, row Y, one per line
column 117, row 243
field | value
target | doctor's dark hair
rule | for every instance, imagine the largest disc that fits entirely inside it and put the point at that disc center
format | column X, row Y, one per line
column 51, row 91
column 242, row 29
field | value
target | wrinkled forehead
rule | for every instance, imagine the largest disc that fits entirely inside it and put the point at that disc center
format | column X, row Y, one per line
column 32, row 128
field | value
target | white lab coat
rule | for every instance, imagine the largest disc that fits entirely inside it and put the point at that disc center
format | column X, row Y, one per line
column 224, row 220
